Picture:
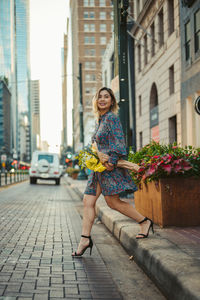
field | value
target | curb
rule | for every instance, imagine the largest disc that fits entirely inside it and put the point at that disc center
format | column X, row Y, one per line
column 175, row 273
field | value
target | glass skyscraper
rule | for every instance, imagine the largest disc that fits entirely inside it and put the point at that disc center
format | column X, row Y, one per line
column 15, row 66
column 23, row 78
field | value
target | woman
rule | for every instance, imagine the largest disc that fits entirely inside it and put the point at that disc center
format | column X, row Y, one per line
column 110, row 140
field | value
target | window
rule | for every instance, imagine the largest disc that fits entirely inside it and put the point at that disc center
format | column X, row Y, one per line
column 88, row 15
column 102, row 15
column 145, row 50
column 102, row 2
column 111, row 15
column 90, row 77
column 161, row 28
column 172, row 130
column 89, row 40
column 88, row 3
column 102, row 27
column 89, row 27
column 171, row 80
column 141, row 139
column 152, row 40
column 90, row 65
column 187, row 40
column 139, row 58
column 90, row 52
column 103, row 40
column 90, row 90
column 170, row 16
column 102, row 51
column 197, row 31
column 138, row 7
column 140, row 105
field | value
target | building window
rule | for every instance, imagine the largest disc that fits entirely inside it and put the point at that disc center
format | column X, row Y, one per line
column 90, row 65
column 145, row 50
column 89, row 40
column 170, row 16
column 141, row 139
column 90, row 77
column 90, row 90
column 161, row 28
column 102, row 15
column 89, row 3
column 103, row 40
column 172, row 130
column 102, row 2
column 111, row 15
column 88, row 15
column 90, row 52
column 139, row 58
column 89, row 27
column 138, row 7
column 140, row 105
column 197, row 30
column 102, row 51
column 187, row 40
column 102, row 27
column 171, row 80
column 152, row 40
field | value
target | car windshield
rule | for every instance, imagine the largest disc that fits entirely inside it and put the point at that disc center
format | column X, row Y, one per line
column 47, row 157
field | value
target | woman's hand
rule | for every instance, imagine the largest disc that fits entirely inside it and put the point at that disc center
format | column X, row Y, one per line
column 109, row 166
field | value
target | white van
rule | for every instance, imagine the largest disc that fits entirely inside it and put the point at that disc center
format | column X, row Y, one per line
column 45, row 165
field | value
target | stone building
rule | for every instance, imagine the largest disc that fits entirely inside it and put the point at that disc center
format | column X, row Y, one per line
column 190, row 71
column 157, row 71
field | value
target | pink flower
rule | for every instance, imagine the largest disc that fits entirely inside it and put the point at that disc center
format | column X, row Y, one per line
column 167, row 168
column 174, row 147
column 177, row 168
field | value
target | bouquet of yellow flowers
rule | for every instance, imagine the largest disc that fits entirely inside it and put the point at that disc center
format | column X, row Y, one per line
column 88, row 158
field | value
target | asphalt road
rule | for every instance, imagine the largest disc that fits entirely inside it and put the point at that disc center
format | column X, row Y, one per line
column 40, row 225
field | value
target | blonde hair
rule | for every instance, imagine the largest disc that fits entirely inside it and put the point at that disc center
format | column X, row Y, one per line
column 114, row 107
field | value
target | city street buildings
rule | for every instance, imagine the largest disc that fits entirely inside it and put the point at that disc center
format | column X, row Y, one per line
column 35, row 115
column 157, row 71
column 190, row 71
column 5, row 116
column 92, row 27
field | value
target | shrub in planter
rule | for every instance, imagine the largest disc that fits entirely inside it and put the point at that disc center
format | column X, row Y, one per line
column 72, row 172
column 168, row 182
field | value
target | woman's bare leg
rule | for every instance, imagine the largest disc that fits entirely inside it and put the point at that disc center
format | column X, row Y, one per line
column 128, row 210
column 89, row 202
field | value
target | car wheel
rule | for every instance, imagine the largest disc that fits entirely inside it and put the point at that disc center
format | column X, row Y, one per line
column 58, row 181
column 32, row 180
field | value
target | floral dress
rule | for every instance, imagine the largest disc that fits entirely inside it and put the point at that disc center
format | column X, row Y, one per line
column 110, row 140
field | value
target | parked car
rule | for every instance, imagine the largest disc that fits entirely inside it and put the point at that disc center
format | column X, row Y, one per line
column 45, row 165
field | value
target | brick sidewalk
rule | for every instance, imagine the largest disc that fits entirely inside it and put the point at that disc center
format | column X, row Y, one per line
column 171, row 257
column 38, row 230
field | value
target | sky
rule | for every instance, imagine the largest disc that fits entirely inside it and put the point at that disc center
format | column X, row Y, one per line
column 48, row 19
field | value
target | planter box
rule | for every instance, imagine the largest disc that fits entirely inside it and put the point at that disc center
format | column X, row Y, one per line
column 170, row 202
column 74, row 175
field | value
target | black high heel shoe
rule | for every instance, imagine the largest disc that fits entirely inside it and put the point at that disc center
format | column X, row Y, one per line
column 88, row 246
column 143, row 236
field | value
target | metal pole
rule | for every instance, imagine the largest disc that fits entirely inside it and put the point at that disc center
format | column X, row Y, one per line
column 81, row 175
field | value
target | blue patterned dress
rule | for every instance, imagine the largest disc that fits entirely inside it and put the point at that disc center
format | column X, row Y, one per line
column 110, row 140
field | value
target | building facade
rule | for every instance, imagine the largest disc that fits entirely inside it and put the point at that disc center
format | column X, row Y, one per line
column 92, row 27
column 15, row 66
column 190, row 71
column 157, row 71
column 5, row 119
column 23, row 77
column 35, row 115
column 8, row 60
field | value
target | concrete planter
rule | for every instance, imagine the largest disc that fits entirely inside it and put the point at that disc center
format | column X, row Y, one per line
column 170, row 202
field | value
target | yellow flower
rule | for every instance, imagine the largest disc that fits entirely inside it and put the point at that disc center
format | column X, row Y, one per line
column 99, row 168
column 91, row 163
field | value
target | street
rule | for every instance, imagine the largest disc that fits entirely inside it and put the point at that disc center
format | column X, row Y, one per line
column 40, row 226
